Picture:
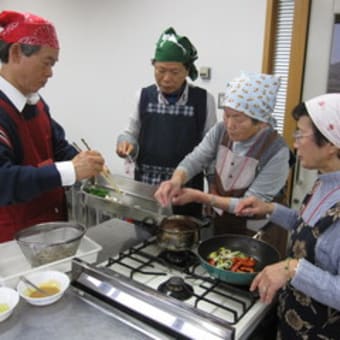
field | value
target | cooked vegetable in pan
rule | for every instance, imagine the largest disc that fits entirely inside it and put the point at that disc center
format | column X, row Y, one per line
column 235, row 261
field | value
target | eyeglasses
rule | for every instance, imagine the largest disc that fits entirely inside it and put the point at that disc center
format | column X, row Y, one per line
column 297, row 135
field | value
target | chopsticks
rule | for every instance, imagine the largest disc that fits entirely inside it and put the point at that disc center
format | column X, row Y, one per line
column 105, row 173
column 30, row 283
column 85, row 143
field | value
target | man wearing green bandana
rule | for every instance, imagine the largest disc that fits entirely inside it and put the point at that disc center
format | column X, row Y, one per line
column 172, row 117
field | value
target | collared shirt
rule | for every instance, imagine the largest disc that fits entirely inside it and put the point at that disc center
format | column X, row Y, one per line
column 66, row 168
column 13, row 94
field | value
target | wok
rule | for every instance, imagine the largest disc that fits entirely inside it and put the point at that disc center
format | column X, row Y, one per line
column 264, row 254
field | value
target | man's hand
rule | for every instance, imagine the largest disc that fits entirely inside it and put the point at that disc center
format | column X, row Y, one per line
column 124, row 149
column 88, row 164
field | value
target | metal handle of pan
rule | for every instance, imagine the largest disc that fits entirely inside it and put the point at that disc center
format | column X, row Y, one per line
column 260, row 232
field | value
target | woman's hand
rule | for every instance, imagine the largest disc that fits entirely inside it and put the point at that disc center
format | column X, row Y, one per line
column 272, row 278
column 167, row 191
column 186, row 195
column 252, row 206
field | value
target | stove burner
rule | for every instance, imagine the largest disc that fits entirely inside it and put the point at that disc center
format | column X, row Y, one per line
column 180, row 259
column 177, row 288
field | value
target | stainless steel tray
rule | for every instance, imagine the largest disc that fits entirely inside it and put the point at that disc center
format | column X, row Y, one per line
column 135, row 200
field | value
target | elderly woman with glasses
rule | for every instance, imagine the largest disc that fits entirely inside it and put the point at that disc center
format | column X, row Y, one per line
column 308, row 282
column 251, row 157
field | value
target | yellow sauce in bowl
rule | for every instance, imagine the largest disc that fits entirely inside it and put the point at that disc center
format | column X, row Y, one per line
column 51, row 288
column 4, row 307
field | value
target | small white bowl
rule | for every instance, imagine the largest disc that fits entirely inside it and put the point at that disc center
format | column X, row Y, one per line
column 49, row 277
column 9, row 297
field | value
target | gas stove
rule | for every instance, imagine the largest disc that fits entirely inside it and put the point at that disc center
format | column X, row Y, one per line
column 170, row 292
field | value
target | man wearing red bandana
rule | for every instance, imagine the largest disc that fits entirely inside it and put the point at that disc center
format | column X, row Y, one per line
column 36, row 161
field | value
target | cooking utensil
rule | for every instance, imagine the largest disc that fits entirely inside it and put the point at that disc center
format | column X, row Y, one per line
column 129, row 165
column 48, row 242
column 30, row 283
column 129, row 158
column 264, row 254
column 178, row 232
column 105, row 173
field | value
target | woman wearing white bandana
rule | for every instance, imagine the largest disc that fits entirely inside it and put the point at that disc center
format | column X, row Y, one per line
column 308, row 282
column 251, row 158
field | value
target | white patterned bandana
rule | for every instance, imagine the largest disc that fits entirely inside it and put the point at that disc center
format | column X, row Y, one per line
column 254, row 94
column 324, row 111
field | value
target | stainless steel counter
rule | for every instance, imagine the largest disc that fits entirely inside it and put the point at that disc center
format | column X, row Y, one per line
column 71, row 317
column 116, row 235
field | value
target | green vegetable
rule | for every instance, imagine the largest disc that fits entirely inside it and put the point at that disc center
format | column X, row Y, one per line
column 101, row 192
column 223, row 257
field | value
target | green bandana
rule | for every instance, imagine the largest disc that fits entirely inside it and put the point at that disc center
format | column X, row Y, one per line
column 172, row 47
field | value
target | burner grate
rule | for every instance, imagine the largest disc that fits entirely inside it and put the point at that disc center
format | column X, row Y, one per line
column 139, row 260
column 181, row 261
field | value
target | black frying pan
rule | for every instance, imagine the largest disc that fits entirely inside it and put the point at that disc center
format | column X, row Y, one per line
column 264, row 254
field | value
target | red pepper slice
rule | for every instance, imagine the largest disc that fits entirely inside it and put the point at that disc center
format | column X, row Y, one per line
column 236, row 266
column 247, row 269
column 212, row 262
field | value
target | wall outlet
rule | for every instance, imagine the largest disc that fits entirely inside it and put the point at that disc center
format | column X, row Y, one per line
column 205, row 72
column 220, row 101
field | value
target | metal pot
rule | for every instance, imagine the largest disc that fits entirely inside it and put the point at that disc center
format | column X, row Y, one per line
column 178, row 232
column 263, row 252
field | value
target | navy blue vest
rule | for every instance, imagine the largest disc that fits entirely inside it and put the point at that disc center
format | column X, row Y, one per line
column 169, row 132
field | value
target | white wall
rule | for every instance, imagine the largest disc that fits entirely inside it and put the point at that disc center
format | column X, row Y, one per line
column 107, row 45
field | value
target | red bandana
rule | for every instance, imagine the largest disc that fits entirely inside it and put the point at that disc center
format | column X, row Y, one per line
column 26, row 28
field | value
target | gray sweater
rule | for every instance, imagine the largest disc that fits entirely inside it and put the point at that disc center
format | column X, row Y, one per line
column 267, row 184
